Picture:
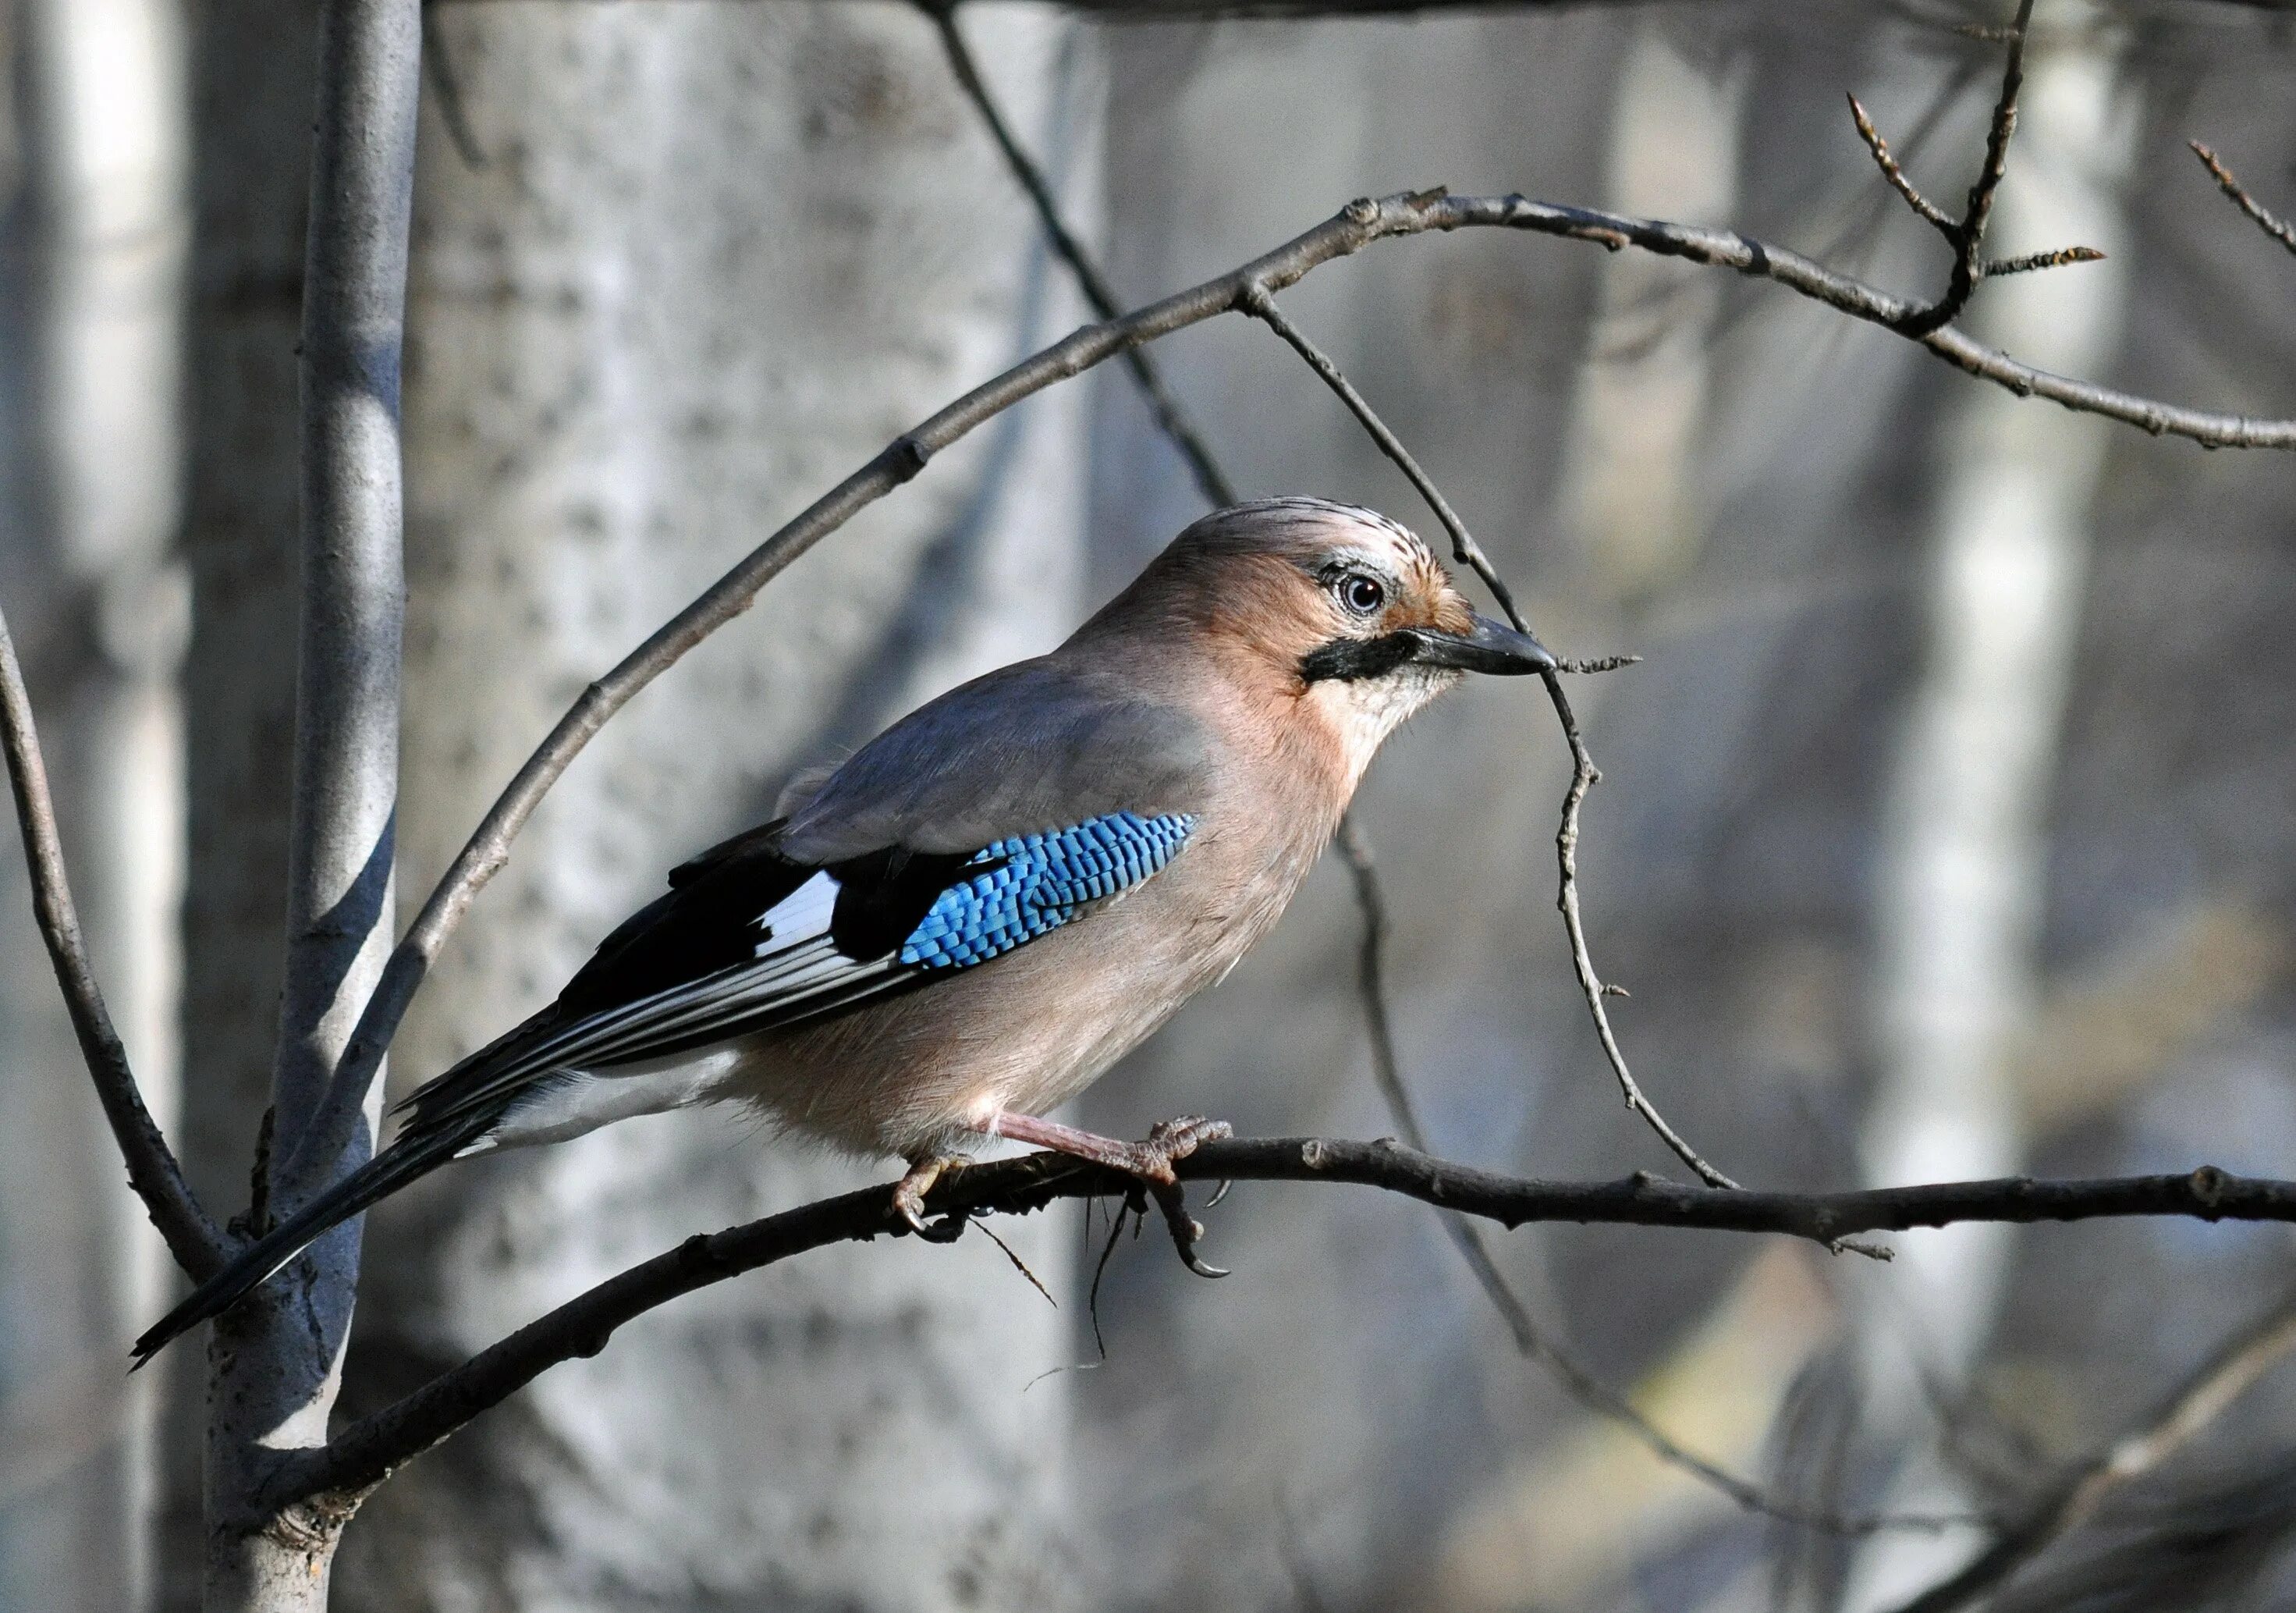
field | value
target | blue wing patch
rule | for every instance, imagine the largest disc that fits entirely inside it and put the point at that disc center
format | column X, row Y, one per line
column 1039, row 882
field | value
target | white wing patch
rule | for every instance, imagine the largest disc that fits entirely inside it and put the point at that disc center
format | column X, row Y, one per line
column 802, row 914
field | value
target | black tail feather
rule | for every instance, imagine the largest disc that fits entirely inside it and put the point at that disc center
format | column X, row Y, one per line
column 395, row 1168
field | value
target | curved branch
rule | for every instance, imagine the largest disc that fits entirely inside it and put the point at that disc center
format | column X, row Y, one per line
column 364, row 1455
column 198, row 1246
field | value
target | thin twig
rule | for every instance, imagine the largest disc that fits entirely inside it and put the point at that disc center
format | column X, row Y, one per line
column 2271, row 223
column 1530, row 1341
column 1356, row 226
column 1922, row 205
column 197, row 1243
column 2219, row 1380
column 1261, row 306
column 1170, row 417
column 1584, row 776
column 363, row 1454
column 1021, row 1265
column 2060, row 258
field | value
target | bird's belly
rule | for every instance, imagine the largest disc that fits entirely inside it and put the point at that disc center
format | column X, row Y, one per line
column 922, row 1072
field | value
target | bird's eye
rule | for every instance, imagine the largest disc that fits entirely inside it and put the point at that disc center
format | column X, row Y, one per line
column 1361, row 594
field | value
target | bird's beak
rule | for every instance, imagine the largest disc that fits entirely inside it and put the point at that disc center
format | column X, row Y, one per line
column 1492, row 647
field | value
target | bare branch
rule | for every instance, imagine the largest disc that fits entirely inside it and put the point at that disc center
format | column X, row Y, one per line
column 197, row 1243
column 1170, row 417
column 2271, row 223
column 1356, row 227
column 1261, row 305
column 1922, row 205
column 2219, row 1380
column 363, row 1454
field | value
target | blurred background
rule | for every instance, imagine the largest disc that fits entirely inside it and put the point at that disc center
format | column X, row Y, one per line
column 1946, row 829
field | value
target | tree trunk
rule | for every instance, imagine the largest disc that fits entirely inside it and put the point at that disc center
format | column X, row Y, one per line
column 678, row 269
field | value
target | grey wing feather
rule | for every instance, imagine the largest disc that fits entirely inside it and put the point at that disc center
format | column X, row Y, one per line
column 1032, row 746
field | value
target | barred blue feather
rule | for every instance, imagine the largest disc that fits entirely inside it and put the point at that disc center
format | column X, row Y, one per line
column 1039, row 882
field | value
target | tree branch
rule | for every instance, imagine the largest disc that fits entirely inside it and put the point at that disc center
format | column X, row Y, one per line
column 197, row 1243
column 1968, row 236
column 2271, row 223
column 2228, row 1373
column 363, row 1455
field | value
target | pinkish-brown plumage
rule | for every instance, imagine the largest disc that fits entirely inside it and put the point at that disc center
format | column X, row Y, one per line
column 1234, row 695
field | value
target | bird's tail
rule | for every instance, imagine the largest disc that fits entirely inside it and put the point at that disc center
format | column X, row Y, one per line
column 388, row 1171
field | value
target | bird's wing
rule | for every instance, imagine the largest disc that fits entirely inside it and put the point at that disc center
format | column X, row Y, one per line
column 755, row 943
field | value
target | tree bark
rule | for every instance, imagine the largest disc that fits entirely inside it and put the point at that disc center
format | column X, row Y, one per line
column 251, row 100
column 678, row 269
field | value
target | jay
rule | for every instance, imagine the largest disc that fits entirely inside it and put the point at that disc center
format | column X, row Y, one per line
column 960, row 927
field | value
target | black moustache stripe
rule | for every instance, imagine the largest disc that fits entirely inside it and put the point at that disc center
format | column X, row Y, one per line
column 1350, row 659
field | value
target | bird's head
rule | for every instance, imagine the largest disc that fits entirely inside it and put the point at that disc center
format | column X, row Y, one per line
column 1342, row 610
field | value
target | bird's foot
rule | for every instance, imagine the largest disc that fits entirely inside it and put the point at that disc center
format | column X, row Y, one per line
column 1149, row 1161
column 909, row 1196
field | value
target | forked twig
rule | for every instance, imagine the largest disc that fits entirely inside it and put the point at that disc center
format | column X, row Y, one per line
column 1966, row 233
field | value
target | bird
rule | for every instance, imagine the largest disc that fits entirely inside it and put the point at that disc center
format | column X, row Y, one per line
column 944, row 938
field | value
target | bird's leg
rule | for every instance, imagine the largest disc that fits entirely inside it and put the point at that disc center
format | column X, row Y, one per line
column 909, row 1195
column 1150, row 1161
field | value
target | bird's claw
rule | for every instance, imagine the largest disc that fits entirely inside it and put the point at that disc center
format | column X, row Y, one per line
column 1186, row 1230
column 1166, row 1142
column 909, row 1198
